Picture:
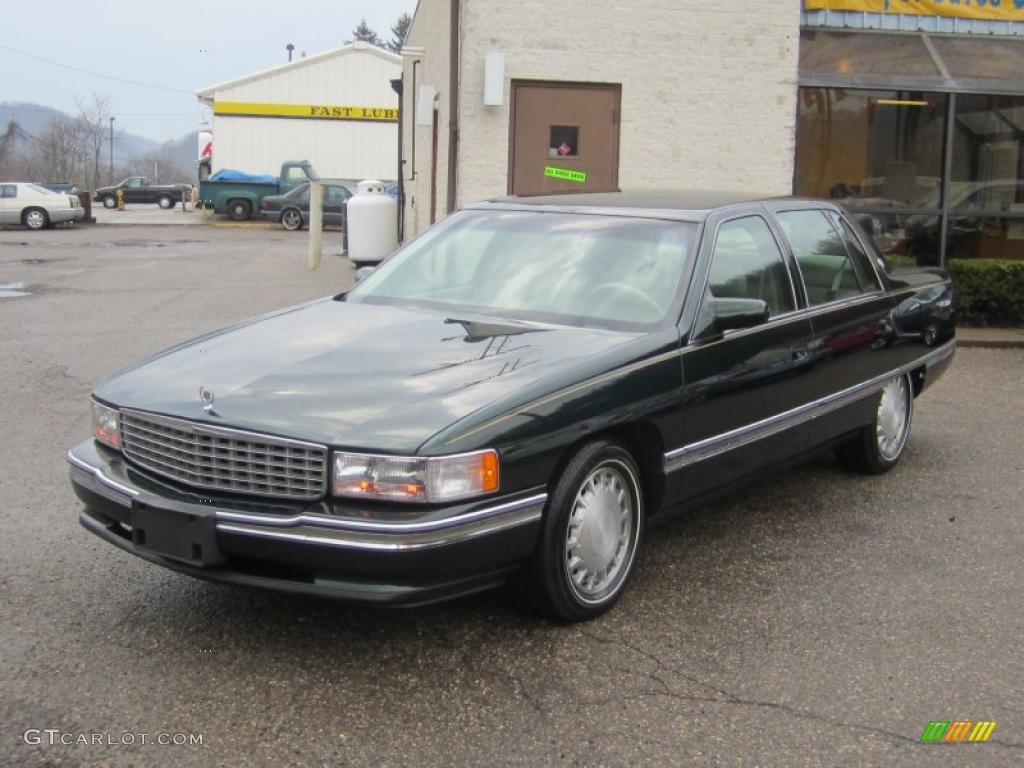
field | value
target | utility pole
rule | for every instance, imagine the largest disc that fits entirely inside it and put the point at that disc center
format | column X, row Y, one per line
column 290, row 48
column 111, row 150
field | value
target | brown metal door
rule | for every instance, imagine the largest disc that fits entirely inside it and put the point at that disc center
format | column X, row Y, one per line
column 564, row 138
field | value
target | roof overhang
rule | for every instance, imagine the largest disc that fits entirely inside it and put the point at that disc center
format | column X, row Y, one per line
column 207, row 94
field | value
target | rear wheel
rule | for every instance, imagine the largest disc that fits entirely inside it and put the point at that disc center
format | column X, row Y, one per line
column 165, row 202
column 592, row 530
column 109, row 201
column 879, row 446
column 239, row 210
column 35, row 218
column 291, row 219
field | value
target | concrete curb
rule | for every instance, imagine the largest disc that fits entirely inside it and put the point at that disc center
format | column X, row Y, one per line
column 990, row 338
column 990, row 343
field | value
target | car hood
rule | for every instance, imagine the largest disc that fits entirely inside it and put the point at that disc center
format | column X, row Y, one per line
column 355, row 375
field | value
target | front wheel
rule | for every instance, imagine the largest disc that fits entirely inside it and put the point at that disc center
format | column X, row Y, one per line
column 592, row 530
column 291, row 220
column 879, row 446
column 35, row 219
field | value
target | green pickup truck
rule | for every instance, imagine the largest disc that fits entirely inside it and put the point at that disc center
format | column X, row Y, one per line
column 238, row 195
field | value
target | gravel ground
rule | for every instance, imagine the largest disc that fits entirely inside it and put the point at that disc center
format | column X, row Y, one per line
column 817, row 619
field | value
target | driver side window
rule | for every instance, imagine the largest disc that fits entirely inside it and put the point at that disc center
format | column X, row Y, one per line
column 747, row 264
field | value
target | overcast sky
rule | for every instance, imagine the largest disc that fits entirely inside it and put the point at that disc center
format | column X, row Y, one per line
column 159, row 42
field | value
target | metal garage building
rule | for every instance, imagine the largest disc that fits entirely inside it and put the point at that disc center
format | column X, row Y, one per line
column 336, row 109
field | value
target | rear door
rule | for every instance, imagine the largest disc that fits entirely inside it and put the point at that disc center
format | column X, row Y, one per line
column 736, row 382
column 335, row 198
column 848, row 308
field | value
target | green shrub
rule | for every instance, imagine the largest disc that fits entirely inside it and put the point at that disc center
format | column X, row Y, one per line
column 989, row 291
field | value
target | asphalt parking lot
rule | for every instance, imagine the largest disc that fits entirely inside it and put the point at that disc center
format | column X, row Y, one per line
column 816, row 619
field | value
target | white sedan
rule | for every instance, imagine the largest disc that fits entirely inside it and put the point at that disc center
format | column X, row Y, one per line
column 36, row 207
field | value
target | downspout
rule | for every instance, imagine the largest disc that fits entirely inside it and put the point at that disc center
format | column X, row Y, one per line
column 453, row 102
column 397, row 87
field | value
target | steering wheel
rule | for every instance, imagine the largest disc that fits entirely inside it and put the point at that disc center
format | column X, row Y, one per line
column 602, row 293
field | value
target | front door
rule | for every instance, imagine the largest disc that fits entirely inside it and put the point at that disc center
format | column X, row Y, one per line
column 736, row 381
column 564, row 138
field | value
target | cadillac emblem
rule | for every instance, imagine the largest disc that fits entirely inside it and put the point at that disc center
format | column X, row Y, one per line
column 206, row 395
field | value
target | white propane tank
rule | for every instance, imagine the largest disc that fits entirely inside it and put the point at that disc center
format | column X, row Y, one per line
column 372, row 223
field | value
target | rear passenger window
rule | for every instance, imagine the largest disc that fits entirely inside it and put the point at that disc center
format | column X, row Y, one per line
column 828, row 272
column 747, row 264
column 861, row 260
column 8, row 190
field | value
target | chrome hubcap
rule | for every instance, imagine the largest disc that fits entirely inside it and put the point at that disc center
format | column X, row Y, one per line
column 34, row 219
column 601, row 537
column 893, row 420
column 291, row 219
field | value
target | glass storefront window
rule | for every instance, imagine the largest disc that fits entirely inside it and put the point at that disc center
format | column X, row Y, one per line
column 876, row 149
column 987, row 179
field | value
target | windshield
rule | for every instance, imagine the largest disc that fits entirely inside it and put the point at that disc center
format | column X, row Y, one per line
column 573, row 269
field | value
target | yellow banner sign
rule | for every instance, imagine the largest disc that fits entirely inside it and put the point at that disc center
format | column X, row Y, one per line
column 306, row 111
column 997, row 10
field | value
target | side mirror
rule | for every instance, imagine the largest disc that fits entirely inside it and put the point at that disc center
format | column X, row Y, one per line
column 721, row 315
column 363, row 272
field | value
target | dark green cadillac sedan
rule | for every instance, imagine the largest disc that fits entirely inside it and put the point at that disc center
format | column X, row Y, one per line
column 519, row 393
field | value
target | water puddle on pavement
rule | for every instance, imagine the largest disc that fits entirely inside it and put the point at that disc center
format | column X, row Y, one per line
column 13, row 291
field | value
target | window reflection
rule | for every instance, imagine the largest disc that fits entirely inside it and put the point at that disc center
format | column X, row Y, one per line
column 987, row 179
column 870, row 148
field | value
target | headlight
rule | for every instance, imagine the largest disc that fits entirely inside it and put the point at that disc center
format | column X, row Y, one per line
column 428, row 479
column 106, row 425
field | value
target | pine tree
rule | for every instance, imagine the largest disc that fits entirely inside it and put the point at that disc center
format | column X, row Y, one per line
column 399, row 32
column 364, row 34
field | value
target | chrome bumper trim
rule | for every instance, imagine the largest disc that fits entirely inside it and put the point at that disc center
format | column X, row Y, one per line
column 394, row 541
column 323, row 521
column 715, row 445
column 97, row 474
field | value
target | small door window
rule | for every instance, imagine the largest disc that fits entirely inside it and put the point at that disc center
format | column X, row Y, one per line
column 747, row 264
column 861, row 261
column 828, row 271
column 565, row 141
column 8, row 190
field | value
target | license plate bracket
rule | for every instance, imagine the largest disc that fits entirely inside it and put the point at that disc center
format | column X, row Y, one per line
column 178, row 535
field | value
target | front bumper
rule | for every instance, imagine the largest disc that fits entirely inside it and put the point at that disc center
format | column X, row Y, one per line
column 375, row 554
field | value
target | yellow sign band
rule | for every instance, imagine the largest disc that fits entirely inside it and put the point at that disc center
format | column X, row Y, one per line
column 1007, row 10
column 306, row 111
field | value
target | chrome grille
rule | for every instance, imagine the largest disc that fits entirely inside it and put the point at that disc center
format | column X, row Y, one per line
column 221, row 459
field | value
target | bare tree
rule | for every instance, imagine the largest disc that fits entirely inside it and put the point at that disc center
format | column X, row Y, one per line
column 94, row 119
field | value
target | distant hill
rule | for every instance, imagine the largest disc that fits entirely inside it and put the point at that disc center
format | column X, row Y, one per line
column 33, row 118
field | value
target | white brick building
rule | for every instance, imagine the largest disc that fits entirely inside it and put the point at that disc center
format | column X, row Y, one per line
column 911, row 114
column 702, row 94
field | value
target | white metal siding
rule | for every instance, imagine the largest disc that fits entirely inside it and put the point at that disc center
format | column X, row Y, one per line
column 336, row 148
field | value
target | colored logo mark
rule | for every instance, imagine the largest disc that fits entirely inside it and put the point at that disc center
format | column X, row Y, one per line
column 565, row 174
column 958, row 730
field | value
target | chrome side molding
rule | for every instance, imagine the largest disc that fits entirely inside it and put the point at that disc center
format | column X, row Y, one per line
column 715, row 445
